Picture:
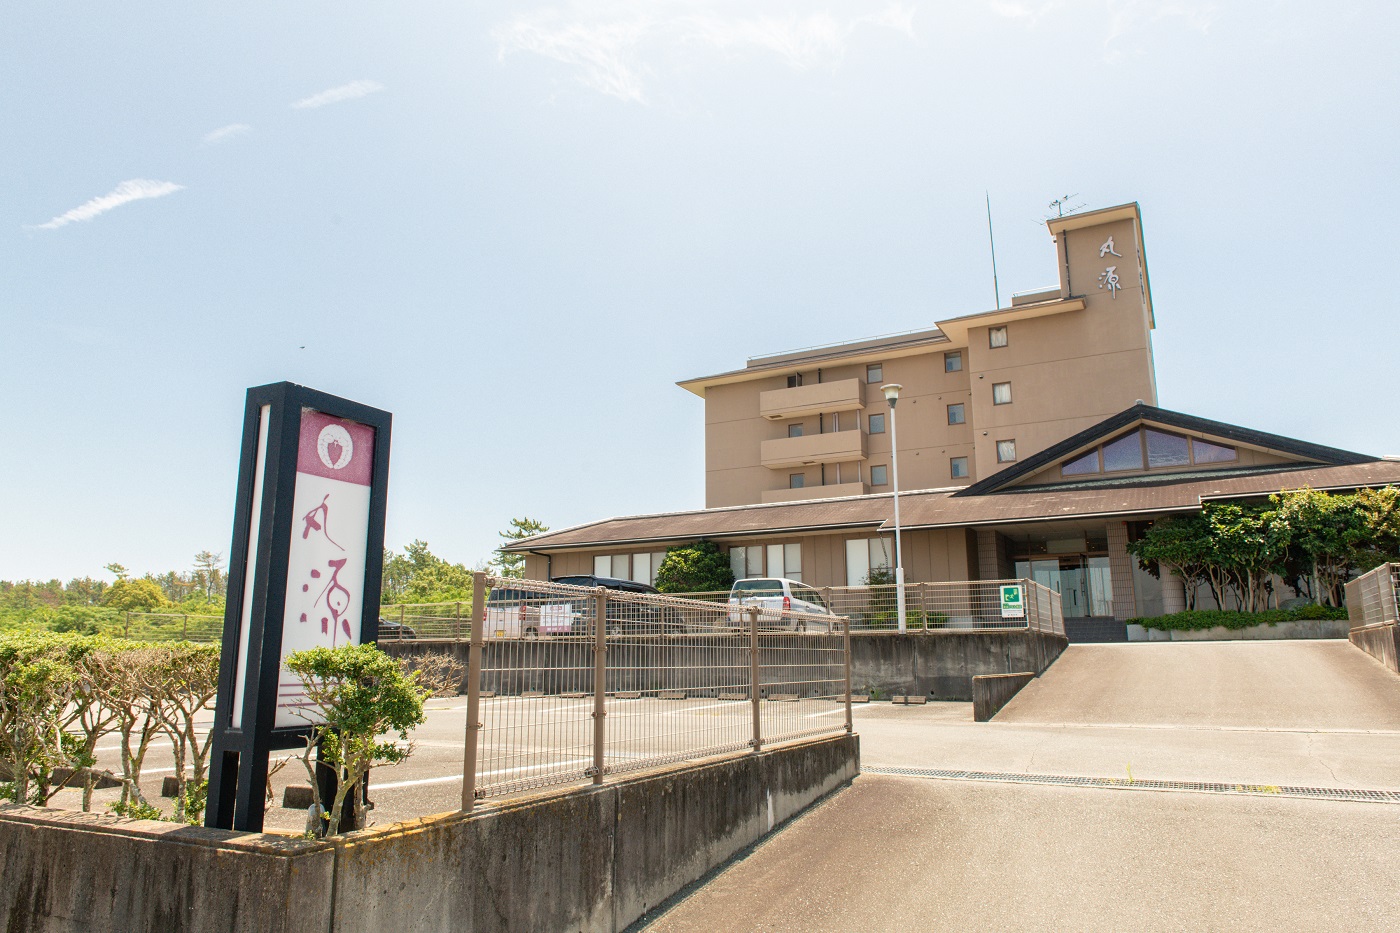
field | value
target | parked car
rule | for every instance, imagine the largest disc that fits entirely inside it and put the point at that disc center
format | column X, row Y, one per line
column 798, row 606
column 523, row 612
column 389, row 630
column 627, row 617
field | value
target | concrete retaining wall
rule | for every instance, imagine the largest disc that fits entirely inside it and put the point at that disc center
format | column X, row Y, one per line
column 990, row 692
column 1381, row 642
column 939, row 664
column 1306, row 628
column 591, row 859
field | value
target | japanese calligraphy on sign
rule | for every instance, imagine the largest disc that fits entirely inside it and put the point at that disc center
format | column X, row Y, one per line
column 326, row 563
column 1109, row 279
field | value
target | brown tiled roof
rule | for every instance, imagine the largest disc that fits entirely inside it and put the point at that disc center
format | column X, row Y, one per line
column 940, row 508
column 1146, row 497
column 848, row 512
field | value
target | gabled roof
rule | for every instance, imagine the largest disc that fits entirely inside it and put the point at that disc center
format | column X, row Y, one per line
column 1148, row 414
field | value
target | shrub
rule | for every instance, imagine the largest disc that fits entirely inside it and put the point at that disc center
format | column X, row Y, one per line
column 1195, row 620
column 694, row 568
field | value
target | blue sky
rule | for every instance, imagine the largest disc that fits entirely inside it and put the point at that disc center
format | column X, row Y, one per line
column 515, row 226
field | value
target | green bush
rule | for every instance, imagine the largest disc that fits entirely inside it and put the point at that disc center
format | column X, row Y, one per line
column 1195, row 620
column 694, row 568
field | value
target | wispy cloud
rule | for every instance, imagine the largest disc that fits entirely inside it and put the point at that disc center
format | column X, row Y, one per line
column 137, row 189
column 226, row 132
column 1123, row 22
column 351, row 91
column 617, row 52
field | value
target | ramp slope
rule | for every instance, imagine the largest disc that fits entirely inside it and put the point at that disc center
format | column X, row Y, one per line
column 1324, row 685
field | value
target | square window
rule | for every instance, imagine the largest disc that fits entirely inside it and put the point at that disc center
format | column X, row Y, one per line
column 879, row 475
column 957, row 414
column 1006, row 451
column 875, row 374
column 996, row 337
column 952, row 362
column 958, row 467
column 877, row 424
column 797, row 480
column 794, row 430
column 794, row 381
column 1001, row 393
column 1125, row 453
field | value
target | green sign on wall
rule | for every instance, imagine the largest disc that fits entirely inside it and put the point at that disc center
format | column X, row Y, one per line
column 1013, row 603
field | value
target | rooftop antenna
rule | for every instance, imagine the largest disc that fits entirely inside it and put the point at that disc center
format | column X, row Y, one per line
column 1061, row 206
column 996, row 289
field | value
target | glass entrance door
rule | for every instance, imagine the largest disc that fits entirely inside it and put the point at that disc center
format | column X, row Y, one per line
column 1083, row 582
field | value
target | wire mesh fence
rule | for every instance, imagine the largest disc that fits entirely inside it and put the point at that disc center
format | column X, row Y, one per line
column 1374, row 597
column 570, row 683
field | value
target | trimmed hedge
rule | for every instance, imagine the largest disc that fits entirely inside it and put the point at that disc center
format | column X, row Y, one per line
column 1201, row 619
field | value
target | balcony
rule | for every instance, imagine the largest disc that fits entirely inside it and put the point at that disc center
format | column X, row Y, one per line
column 832, row 447
column 801, row 401
column 830, row 491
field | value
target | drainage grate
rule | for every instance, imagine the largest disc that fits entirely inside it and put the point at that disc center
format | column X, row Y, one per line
column 1206, row 787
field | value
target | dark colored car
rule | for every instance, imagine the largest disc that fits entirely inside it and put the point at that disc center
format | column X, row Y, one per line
column 389, row 630
column 630, row 618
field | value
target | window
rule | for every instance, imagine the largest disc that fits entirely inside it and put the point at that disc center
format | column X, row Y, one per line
column 1166, row 450
column 952, row 362
column 794, row 380
column 641, row 569
column 1001, row 393
column 957, row 414
column 877, row 424
column 794, row 430
column 746, row 561
column 864, row 555
column 1206, row 452
column 958, row 467
column 879, row 475
column 996, row 337
column 797, row 480
column 875, row 374
column 785, row 560
column 602, row 566
column 1079, row 466
column 619, row 566
column 656, row 558
column 1123, row 454
column 1006, row 451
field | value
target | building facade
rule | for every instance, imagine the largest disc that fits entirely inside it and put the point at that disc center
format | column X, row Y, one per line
column 1048, row 478
column 980, row 391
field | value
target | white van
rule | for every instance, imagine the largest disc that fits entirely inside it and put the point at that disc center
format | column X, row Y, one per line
column 797, row 603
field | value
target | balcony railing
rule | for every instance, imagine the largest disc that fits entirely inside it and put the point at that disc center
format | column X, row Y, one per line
column 801, row 401
column 829, row 491
column 832, row 447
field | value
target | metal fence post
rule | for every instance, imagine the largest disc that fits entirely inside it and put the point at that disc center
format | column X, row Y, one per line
column 846, row 640
column 473, row 733
column 600, row 680
column 457, row 623
column 754, row 681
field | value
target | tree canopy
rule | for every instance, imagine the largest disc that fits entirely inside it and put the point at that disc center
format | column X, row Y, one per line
column 694, row 568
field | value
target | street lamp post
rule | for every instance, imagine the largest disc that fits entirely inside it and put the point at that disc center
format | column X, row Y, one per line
column 892, row 396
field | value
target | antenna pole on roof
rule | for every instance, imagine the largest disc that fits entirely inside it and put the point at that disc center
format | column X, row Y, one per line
column 996, row 289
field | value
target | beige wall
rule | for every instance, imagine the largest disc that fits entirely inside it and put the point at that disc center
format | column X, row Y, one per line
column 1068, row 371
column 929, row 555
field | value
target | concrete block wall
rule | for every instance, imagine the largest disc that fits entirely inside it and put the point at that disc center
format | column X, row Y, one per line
column 589, row 859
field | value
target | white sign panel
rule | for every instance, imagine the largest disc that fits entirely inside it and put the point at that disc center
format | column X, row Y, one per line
column 326, row 561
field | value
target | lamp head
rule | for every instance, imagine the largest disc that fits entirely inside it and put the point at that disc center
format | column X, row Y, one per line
column 891, row 392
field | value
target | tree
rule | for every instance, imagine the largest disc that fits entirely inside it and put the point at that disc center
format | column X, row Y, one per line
column 135, row 596
column 356, row 693
column 1330, row 531
column 419, row 576
column 117, row 570
column 1181, row 544
column 209, row 574
column 513, row 565
column 694, row 568
column 1251, row 543
column 1380, row 515
column 188, row 678
column 37, row 684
